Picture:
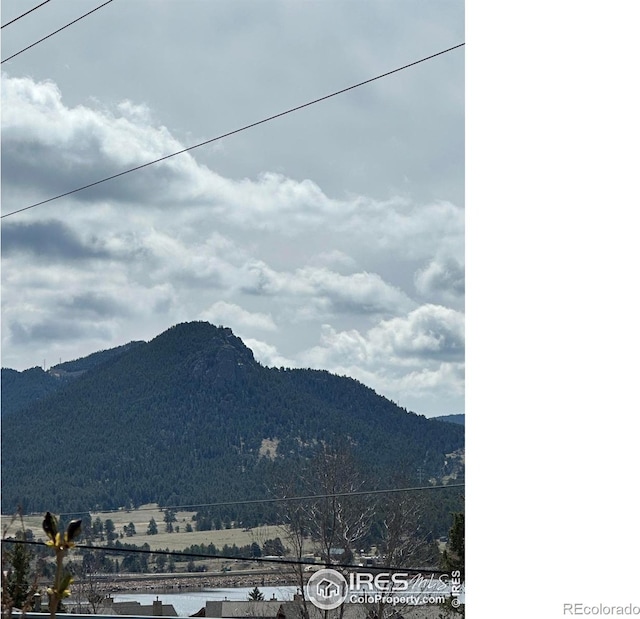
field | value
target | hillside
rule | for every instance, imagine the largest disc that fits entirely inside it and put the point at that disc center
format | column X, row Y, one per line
column 191, row 417
column 452, row 418
column 21, row 389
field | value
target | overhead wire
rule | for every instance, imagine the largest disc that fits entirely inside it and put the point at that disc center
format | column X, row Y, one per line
column 55, row 32
column 249, row 126
column 281, row 561
column 199, row 555
column 311, row 497
column 15, row 19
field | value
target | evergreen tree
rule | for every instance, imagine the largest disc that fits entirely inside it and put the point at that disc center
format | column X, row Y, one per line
column 169, row 519
column 453, row 556
column 256, row 595
column 18, row 588
column 97, row 529
column 274, row 547
column 152, row 529
column 255, row 550
column 110, row 530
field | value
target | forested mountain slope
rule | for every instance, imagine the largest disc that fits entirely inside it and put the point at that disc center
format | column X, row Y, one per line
column 191, row 417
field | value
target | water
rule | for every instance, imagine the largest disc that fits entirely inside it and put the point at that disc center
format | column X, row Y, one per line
column 191, row 602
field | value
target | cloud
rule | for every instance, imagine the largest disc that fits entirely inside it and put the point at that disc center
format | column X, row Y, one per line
column 81, row 145
column 442, row 281
column 366, row 142
column 335, row 259
column 137, row 113
column 441, row 275
column 428, row 333
column 358, row 293
column 93, row 305
column 55, row 330
column 65, row 147
column 417, row 358
column 234, row 316
column 49, row 240
column 268, row 355
column 179, row 241
column 419, row 390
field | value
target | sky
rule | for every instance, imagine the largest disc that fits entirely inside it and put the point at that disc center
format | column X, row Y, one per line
column 330, row 238
column 551, row 129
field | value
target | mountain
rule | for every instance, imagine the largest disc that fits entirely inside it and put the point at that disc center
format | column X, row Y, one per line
column 452, row 418
column 191, row 417
column 79, row 366
column 21, row 389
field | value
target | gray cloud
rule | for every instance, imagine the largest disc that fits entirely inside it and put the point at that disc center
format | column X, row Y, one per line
column 48, row 239
column 91, row 304
column 358, row 293
column 68, row 147
column 56, row 330
column 442, row 281
column 444, row 275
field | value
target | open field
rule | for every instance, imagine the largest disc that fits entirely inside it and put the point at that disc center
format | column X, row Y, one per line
column 179, row 541
column 173, row 541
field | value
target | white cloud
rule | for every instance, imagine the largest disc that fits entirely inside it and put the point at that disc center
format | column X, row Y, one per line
column 359, row 293
column 267, row 354
column 418, row 390
column 34, row 112
column 234, row 316
column 416, row 358
column 137, row 113
column 442, row 280
column 428, row 333
column 335, row 259
column 83, row 144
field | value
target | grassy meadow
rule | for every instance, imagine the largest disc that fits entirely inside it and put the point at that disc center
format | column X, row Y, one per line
column 140, row 518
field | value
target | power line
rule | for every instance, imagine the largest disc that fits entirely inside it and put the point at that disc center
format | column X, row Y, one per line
column 25, row 13
column 311, row 497
column 56, row 32
column 200, row 555
column 255, row 124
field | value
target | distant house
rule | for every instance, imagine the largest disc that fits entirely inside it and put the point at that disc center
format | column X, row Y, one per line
column 245, row 609
column 272, row 609
column 338, row 554
column 155, row 609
